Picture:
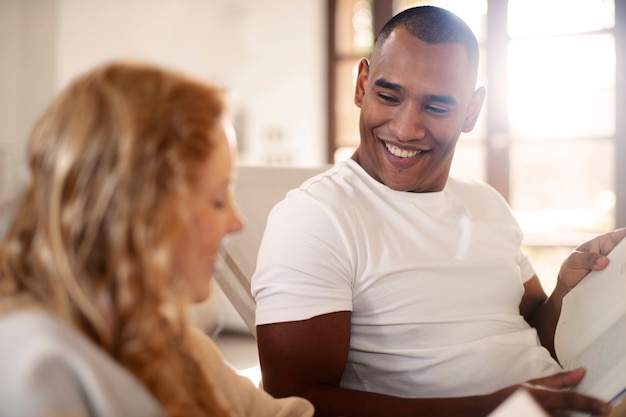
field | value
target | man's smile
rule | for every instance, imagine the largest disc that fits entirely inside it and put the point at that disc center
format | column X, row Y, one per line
column 399, row 152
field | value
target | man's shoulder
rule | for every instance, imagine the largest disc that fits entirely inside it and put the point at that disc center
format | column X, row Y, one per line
column 332, row 178
column 468, row 183
column 478, row 196
column 323, row 198
column 327, row 187
column 471, row 187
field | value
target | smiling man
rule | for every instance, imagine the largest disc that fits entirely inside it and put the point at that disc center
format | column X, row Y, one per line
column 384, row 287
column 415, row 99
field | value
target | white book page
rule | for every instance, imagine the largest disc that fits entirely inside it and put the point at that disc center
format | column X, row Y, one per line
column 591, row 307
column 519, row 404
column 591, row 331
column 605, row 361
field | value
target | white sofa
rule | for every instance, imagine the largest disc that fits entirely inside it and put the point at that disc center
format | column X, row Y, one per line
column 258, row 189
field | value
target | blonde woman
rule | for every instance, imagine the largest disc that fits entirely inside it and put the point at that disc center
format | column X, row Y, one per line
column 118, row 230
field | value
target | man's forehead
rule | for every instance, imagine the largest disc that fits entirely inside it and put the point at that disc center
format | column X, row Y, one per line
column 401, row 42
column 427, row 70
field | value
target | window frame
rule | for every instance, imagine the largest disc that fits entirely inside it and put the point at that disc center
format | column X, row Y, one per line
column 498, row 141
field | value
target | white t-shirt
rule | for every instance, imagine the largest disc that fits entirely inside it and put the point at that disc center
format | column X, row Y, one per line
column 433, row 281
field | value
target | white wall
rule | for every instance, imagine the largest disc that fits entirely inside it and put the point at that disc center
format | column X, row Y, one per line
column 282, row 81
column 27, row 49
column 269, row 55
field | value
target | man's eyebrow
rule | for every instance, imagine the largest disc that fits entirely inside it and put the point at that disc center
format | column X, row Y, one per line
column 382, row 83
column 443, row 99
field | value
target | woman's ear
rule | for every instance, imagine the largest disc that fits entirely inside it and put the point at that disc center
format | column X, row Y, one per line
column 361, row 82
column 473, row 110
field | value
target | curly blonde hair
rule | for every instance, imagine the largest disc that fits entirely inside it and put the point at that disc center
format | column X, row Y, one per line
column 112, row 160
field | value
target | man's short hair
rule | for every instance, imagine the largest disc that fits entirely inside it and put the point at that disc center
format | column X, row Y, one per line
column 432, row 25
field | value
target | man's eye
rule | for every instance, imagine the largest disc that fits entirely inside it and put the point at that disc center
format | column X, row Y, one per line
column 387, row 98
column 436, row 109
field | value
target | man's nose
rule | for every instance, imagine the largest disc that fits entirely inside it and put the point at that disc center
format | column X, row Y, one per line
column 407, row 123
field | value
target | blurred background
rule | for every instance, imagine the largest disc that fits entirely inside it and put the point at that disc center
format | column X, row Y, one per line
column 550, row 137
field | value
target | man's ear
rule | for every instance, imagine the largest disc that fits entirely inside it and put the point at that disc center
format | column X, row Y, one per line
column 473, row 110
column 361, row 82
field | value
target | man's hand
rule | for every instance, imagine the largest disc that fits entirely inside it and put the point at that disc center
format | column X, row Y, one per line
column 553, row 395
column 589, row 256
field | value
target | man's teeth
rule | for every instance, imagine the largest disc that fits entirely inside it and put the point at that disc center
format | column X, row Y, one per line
column 401, row 153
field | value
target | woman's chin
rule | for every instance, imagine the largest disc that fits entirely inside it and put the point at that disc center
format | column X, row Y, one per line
column 201, row 294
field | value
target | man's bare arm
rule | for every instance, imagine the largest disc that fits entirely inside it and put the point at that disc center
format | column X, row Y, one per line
column 306, row 358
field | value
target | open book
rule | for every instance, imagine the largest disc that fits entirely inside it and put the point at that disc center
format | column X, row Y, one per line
column 591, row 331
column 519, row 404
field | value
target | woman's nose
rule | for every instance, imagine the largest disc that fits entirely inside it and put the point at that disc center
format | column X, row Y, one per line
column 237, row 221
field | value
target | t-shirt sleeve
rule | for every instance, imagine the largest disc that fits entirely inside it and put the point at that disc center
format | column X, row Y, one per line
column 303, row 267
column 526, row 268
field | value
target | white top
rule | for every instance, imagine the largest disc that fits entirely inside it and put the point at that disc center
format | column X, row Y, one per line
column 433, row 281
column 50, row 370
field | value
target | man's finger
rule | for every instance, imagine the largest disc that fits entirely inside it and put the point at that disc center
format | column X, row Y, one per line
column 561, row 380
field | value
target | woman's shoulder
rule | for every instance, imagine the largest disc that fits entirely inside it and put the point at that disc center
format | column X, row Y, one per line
column 32, row 332
column 48, row 364
column 36, row 333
